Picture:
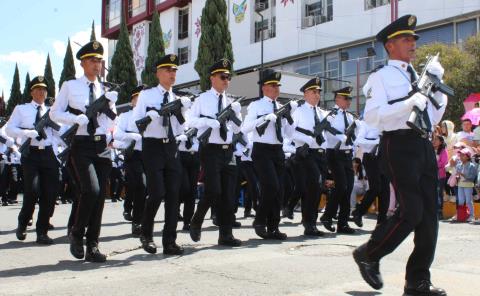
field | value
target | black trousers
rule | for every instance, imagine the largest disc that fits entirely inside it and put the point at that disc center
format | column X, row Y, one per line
column 92, row 172
column 340, row 164
column 269, row 164
column 190, row 169
column 252, row 195
column 220, row 171
column 117, row 182
column 3, row 181
column 308, row 179
column 136, row 187
column 72, row 191
column 40, row 171
column 291, row 195
column 378, row 186
column 409, row 162
column 14, row 182
column 163, row 173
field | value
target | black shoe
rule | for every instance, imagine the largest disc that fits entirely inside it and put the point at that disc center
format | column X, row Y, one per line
column 64, row 201
column 50, row 226
column 136, row 230
column 423, row 287
column 172, row 249
column 370, row 270
column 30, row 222
column 236, row 224
column 215, row 221
column 248, row 213
column 180, row 218
column 195, row 232
column 186, row 227
column 44, row 239
column 114, row 199
column 345, row 229
column 276, row 234
column 4, row 203
column 357, row 219
column 76, row 247
column 328, row 224
column 260, row 230
column 148, row 245
column 127, row 216
column 12, row 201
column 94, row 255
column 229, row 241
column 313, row 231
column 21, row 233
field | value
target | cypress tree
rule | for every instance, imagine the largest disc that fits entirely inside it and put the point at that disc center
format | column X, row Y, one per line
column 156, row 49
column 26, row 90
column 68, row 71
column 122, row 68
column 2, row 105
column 92, row 34
column 49, row 78
column 215, row 42
column 15, row 94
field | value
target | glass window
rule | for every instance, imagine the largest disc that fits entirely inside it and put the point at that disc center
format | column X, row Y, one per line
column 317, row 12
column 349, row 67
column 369, row 4
column 443, row 34
column 114, row 10
column 183, row 55
column 261, row 30
column 159, row 1
column 466, row 29
column 183, row 23
column 261, row 5
column 316, row 65
column 136, row 7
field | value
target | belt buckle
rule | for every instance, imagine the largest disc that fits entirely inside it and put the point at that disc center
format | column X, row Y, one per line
column 320, row 150
column 347, row 151
column 97, row 138
column 192, row 152
column 41, row 147
column 166, row 141
column 225, row 147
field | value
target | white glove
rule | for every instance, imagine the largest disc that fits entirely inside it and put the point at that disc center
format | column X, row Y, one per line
column 436, row 69
column 341, row 137
column 134, row 136
column 31, row 134
column 153, row 114
column 293, row 105
column 181, row 138
column 186, row 103
column 4, row 157
column 236, row 107
column 271, row 117
column 358, row 122
column 112, row 96
column 418, row 100
column 213, row 123
column 81, row 119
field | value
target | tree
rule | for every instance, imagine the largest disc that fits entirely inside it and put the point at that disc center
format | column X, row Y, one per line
column 92, row 34
column 461, row 72
column 2, row 105
column 122, row 68
column 15, row 94
column 215, row 41
column 26, row 90
column 49, row 78
column 156, row 49
column 68, row 71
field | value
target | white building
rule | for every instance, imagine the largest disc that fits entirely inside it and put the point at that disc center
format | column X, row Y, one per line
column 329, row 38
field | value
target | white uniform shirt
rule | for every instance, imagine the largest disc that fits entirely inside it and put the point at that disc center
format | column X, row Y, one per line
column 368, row 137
column 205, row 107
column 153, row 97
column 390, row 83
column 122, row 128
column 255, row 116
column 303, row 117
column 75, row 93
column 338, row 123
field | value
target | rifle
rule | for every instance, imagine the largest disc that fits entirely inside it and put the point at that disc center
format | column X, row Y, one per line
column 238, row 138
column 63, row 156
column 325, row 125
column 190, row 133
column 171, row 108
column 427, row 84
column 99, row 106
column 283, row 112
column 40, row 127
column 350, row 133
column 227, row 114
column 302, row 151
column 3, row 140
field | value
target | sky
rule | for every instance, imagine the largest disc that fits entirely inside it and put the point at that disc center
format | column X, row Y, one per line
column 31, row 29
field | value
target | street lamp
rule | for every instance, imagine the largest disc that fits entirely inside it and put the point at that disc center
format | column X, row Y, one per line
column 259, row 7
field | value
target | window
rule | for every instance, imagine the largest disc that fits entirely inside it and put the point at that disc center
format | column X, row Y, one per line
column 443, row 34
column 136, row 7
column 316, row 65
column 183, row 23
column 369, row 4
column 261, row 5
column 317, row 12
column 466, row 29
column 114, row 9
column 159, row 1
column 183, row 55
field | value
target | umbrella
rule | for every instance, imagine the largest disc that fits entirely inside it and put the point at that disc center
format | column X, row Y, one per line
column 469, row 102
column 473, row 115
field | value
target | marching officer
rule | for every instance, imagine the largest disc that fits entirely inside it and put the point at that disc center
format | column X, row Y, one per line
column 160, row 158
column 89, row 155
column 216, row 154
column 267, row 154
column 310, row 162
column 134, row 172
column 40, row 166
column 407, row 158
column 340, row 163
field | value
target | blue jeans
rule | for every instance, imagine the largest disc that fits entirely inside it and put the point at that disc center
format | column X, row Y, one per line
column 465, row 197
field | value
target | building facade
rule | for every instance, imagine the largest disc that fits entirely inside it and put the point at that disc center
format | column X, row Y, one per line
column 330, row 38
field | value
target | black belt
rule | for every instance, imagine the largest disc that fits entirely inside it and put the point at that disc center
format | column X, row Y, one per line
column 316, row 150
column 403, row 133
column 93, row 138
column 346, row 151
column 40, row 148
column 221, row 146
column 161, row 140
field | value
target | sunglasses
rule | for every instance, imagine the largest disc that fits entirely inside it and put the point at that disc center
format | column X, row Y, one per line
column 226, row 77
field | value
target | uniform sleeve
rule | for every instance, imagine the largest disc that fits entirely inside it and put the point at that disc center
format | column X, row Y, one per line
column 293, row 133
column 119, row 133
column 438, row 114
column 376, row 96
column 138, row 111
column 251, row 120
column 58, row 110
column 194, row 119
column 12, row 128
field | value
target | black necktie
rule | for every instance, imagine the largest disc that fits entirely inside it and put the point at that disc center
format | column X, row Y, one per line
column 91, row 98
column 425, row 120
column 37, row 119
column 166, row 119
column 317, row 122
column 345, row 120
column 278, row 124
column 223, row 126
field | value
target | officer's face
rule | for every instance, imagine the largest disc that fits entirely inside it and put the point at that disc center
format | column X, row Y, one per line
column 312, row 96
column 39, row 94
column 92, row 66
column 220, row 81
column 166, row 76
column 402, row 48
column 343, row 102
column 271, row 90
